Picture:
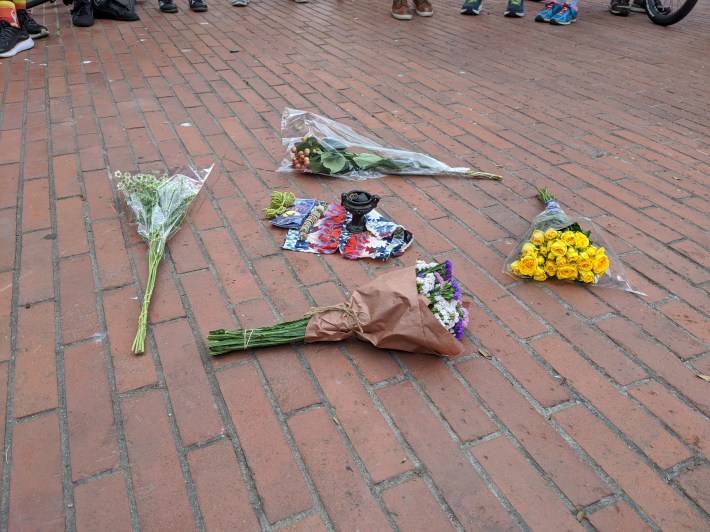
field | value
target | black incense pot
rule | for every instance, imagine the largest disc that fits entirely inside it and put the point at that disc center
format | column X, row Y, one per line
column 358, row 203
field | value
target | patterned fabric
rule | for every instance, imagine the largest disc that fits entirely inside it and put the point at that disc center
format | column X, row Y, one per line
column 382, row 240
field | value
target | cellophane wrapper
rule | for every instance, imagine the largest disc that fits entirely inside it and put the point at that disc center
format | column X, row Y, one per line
column 553, row 216
column 296, row 124
column 392, row 315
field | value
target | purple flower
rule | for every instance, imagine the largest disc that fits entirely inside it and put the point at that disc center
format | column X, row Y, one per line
column 449, row 270
column 457, row 289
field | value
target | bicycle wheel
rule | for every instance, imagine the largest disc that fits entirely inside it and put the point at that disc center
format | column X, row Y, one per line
column 667, row 12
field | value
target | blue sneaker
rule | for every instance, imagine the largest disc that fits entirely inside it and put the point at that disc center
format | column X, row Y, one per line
column 567, row 15
column 471, row 7
column 514, row 9
column 551, row 9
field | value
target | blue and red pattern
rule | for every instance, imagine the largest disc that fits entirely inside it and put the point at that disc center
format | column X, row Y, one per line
column 382, row 240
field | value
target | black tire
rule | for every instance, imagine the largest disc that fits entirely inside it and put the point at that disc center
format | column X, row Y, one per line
column 667, row 12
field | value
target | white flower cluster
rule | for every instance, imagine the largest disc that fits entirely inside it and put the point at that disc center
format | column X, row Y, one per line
column 426, row 284
column 446, row 311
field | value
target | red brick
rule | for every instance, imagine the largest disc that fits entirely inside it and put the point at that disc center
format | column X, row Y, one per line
column 658, row 359
column 279, row 285
column 92, row 431
column 460, row 409
column 102, row 504
column 581, row 335
column 467, row 494
column 525, row 369
column 35, row 379
column 5, row 312
column 287, row 377
column 208, row 307
column 185, row 252
column 696, row 484
column 99, row 196
column 161, row 494
column 79, row 319
column 122, row 308
column 280, row 484
column 663, row 504
column 691, row 320
column 71, row 232
column 413, row 507
column 685, row 421
column 375, row 364
column 165, row 302
column 643, row 430
column 190, row 391
column 36, row 272
column 7, row 235
column 111, row 256
column 523, row 487
column 381, row 453
column 4, row 385
column 35, row 205
column 313, row 523
column 222, row 493
column 553, row 454
column 36, row 500
column 236, row 278
column 344, row 492
column 618, row 516
column 251, row 234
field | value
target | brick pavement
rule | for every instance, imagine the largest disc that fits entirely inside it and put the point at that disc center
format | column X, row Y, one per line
column 589, row 413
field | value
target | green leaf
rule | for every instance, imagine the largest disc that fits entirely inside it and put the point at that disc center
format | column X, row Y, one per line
column 367, row 160
column 334, row 162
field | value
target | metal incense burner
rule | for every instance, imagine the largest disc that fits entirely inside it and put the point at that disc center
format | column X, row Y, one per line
column 358, row 203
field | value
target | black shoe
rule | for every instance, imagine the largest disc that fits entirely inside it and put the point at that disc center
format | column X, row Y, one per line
column 30, row 25
column 82, row 16
column 114, row 10
column 168, row 6
column 198, row 5
column 13, row 40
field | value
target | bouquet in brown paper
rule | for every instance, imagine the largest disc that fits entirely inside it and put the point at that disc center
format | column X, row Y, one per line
column 416, row 309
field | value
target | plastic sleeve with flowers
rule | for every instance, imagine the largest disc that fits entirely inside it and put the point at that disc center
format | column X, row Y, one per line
column 318, row 145
column 558, row 246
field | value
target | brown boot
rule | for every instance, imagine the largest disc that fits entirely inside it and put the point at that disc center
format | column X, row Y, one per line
column 423, row 8
column 401, row 10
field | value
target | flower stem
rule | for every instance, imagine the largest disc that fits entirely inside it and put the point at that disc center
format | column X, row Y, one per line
column 483, row 175
column 155, row 254
column 221, row 341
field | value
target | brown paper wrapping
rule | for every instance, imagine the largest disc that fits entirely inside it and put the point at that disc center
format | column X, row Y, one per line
column 392, row 314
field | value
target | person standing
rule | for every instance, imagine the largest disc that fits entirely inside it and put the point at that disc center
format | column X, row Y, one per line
column 17, row 28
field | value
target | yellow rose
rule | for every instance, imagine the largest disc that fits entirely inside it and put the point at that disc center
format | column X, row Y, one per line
column 584, row 263
column 540, row 260
column 551, row 234
column 557, row 248
column 561, row 261
column 550, row 268
column 537, row 237
column 568, row 238
column 591, row 251
column 528, row 265
column 568, row 271
column 539, row 274
column 572, row 255
column 587, row 277
column 580, row 240
column 528, row 249
column 515, row 267
column 600, row 263
column 542, row 250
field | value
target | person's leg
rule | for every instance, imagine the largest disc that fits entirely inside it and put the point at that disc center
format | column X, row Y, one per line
column 567, row 14
column 27, row 23
column 13, row 39
column 551, row 9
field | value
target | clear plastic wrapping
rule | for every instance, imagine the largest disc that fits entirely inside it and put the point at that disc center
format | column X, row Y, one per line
column 318, row 145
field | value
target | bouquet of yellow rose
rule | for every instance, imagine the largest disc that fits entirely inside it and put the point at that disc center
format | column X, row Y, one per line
column 557, row 247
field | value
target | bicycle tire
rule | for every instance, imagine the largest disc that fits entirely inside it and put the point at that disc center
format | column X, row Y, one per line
column 667, row 12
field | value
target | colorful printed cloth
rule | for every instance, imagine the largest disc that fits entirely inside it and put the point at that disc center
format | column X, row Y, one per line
column 382, row 240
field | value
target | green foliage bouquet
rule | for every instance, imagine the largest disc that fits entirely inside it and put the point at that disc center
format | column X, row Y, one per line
column 158, row 206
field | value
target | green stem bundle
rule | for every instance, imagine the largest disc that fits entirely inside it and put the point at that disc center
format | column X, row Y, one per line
column 222, row 341
column 155, row 255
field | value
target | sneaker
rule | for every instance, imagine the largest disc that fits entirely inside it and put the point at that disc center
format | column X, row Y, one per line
column 167, row 6
column 514, row 9
column 400, row 10
column 198, row 6
column 423, row 8
column 620, row 8
column 567, row 15
column 114, row 10
column 34, row 29
column 240, row 3
column 13, row 40
column 638, row 6
column 471, row 7
column 82, row 16
column 550, row 11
